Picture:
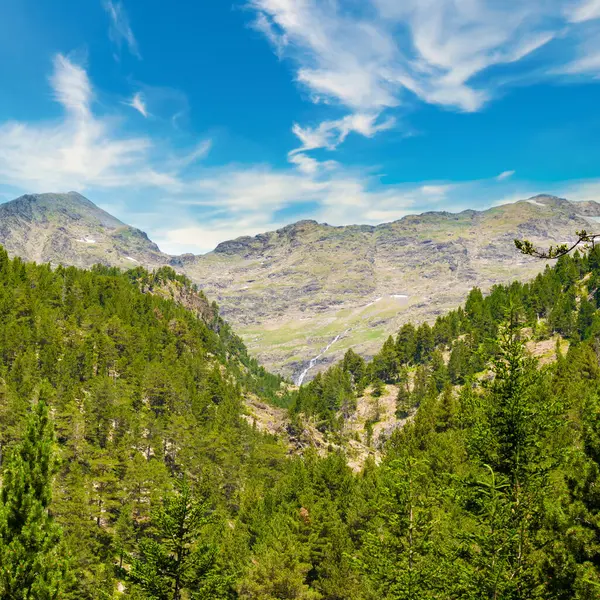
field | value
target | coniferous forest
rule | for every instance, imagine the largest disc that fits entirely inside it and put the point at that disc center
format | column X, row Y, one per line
column 129, row 470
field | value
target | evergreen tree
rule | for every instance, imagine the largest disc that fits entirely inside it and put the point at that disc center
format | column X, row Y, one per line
column 355, row 365
column 585, row 318
column 397, row 557
column 561, row 319
column 33, row 562
column 174, row 562
column 278, row 570
column 439, row 372
column 424, row 344
column 403, row 398
column 385, row 363
column 458, row 363
column 406, row 344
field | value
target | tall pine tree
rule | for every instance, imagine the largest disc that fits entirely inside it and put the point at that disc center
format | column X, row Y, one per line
column 174, row 562
column 32, row 559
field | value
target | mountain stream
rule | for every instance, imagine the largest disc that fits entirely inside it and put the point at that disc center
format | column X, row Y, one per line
column 313, row 361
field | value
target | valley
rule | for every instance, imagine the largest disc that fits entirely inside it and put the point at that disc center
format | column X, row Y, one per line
column 144, row 409
column 289, row 293
column 320, row 316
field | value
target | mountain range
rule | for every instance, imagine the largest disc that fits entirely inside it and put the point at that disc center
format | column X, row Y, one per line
column 302, row 295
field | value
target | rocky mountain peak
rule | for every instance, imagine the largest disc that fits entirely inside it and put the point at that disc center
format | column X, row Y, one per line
column 67, row 228
column 69, row 206
column 310, row 289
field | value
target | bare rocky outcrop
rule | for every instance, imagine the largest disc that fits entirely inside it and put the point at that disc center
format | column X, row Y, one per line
column 289, row 292
column 68, row 229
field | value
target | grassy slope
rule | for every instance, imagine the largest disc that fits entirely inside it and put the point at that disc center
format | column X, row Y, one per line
column 289, row 293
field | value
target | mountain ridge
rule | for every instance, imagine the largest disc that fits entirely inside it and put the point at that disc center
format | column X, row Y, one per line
column 70, row 229
column 292, row 291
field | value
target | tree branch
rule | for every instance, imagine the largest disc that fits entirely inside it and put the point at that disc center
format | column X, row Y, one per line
column 554, row 252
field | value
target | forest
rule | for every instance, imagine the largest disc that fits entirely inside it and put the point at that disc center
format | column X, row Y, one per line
column 129, row 470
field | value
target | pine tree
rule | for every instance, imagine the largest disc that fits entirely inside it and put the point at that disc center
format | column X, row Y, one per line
column 515, row 421
column 355, row 365
column 279, row 569
column 424, row 343
column 398, row 555
column 458, row 363
column 406, row 343
column 385, row 363
column 403, row 398
column 585, row 318
column 439, row 371
column 33, row 563
column 175, row 561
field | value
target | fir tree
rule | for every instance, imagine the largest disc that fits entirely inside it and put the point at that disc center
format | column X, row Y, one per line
column 175, row 562
column 33, row 563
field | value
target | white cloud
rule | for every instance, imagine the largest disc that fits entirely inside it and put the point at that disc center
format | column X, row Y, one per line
column 71, row 87
column 79, row 151
column 201, row 239
column 138, row 103
column 329, row 134
column 120, row 31
column 585, row 61
column 505, row 175
column 308, row 165
column 373, row 56
column 585, row 65
column 585, row 10
column 263, row 25
column 583, row 189
column 365, row 59
column 200, row 151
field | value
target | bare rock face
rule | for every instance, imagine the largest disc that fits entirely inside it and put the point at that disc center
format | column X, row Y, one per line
column 294, row 292
column 291, row 292
column 69, row 229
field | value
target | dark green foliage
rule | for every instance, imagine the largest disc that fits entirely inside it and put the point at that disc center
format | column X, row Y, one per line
column 424, row 343
column 561, row 318
column 326, row 394
column 33, row 562
column 404, row 396
column 385, row 364
column 172, row 560
column 459, row 362
column 355, row 365
column 585, row 318
column 163, row 490
column 406, row 343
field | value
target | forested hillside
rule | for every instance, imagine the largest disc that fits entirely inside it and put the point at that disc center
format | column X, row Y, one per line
column 129, row 470
column 309, row 290
column 561, row 303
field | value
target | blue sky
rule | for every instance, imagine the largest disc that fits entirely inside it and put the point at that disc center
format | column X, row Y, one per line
column 202, row 121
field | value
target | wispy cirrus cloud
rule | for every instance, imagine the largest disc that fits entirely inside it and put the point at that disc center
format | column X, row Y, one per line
column 120, row 31
column 377, row 56
column 583, row 10
column 71, row 87
column 330, row 134
column 505, row 175
column 138, row 103
column 82, row 150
